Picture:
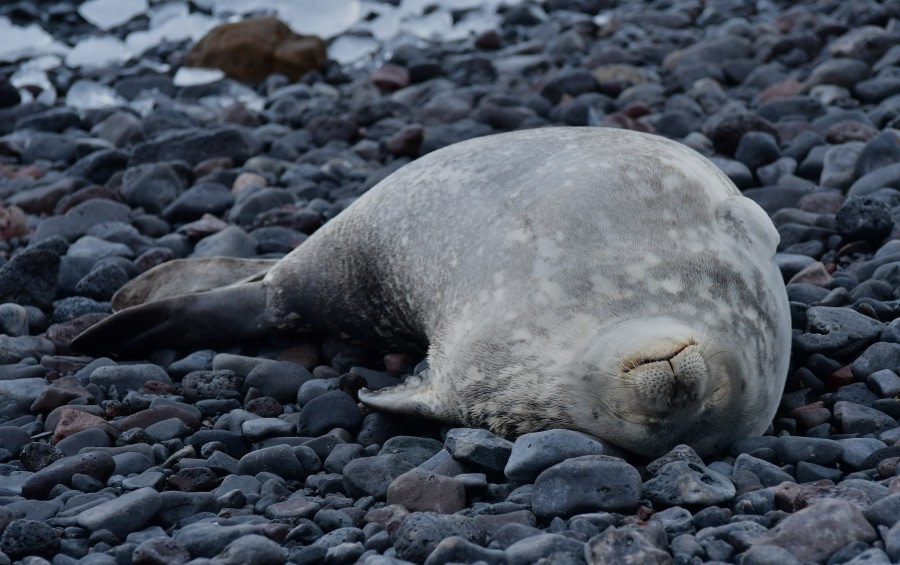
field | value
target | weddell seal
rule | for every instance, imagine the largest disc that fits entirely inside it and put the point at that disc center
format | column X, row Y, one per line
column 600, row 280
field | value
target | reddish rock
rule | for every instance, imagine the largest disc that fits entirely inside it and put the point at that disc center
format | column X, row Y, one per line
column 246, row 180
column 153, row 257
column 12, row 222
column 42, row 199
column 53, row 417
column 388, row 517
column 212, row 164
column 294, row 507
column 69, row 201
column 289, row 216
column 493, row 522
column 821, row 202
column 489, row 40
column 894, row 485
column 814, row 533
column 421, row 491
column 193, row 479
column 849, row 130
column 60, row 393
column 159, row 387
column 390, row 77
column 61, row 335
column 814, row 273
column 792, row 497
column 839, row 378
column 811, row 416
column 265, row 406
column 782, row 89
column 406, row 142
column 888, row 467
column 64, row 364
column 160, row 550
column 205, row 226
column 306, row 354
column 253, row 49
column 73, row 421
column 151, row 416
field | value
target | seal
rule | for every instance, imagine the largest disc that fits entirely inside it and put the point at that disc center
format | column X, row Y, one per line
column 600, row 280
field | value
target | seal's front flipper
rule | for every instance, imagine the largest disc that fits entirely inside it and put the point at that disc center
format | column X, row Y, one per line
column 213, row 317
column 418, row 395
column 188, row 276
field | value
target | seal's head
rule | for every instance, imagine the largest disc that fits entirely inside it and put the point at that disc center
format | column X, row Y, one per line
column 657, row 382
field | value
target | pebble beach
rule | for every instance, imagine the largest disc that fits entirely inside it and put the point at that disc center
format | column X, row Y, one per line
column 117, row 155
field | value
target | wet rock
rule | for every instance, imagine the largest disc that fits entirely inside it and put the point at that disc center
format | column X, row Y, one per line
column 533, row 453
column 29, row 537
column 421, row 491
column 479, row 449
column 814, row 533
column 586, row 484
column 421, row 532
column 681, row 483
column 623, row 546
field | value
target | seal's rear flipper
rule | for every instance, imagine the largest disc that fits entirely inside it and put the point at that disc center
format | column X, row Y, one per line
column 189, row 276
column 223, row 315
column 418, row 395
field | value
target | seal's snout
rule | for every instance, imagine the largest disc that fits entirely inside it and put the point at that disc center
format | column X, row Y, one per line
column 671, row 381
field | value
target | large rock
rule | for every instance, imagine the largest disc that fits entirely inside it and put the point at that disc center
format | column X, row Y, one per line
column 817, row 531
column 253, row 49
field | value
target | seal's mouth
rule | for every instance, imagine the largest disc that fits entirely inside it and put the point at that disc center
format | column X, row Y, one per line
column 675, row 381
column 636, row 361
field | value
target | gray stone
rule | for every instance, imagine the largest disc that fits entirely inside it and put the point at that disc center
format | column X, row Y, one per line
column 624, row 545
column 814, row 533
column 455, row 549
column 533, row 453
column 252, row 548
column 123, row 515
column 371, row 476
column 551, row 546
column 586, row 484
column 421, row 532
column 687, row 484
column 479, row 449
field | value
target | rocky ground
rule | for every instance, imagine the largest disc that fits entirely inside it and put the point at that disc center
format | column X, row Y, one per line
column 261, row 454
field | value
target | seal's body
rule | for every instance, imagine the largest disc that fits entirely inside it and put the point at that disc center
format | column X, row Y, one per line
column 601, row 280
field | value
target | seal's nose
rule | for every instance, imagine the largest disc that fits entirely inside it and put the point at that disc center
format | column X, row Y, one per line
column 674, row 382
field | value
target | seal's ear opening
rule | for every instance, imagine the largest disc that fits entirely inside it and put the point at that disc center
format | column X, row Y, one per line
column 222, row 315
column 748, row 222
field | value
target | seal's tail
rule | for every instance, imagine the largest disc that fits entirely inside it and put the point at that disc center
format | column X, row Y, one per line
column 216, row 316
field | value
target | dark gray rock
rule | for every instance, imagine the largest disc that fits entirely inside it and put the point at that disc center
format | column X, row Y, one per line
column 29, row 537
column 333, row 409
column 478, row 449
column 124, row 514
column 624, row 545
column 553, row 547
column 681, row 483
column 456, row 549
column 421, row 532
column 586, row 484
column 533, row 453
column 837, row 332
column 277, row 459
column 371, row 476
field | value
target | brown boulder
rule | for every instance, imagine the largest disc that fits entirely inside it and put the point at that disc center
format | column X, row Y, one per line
column 253, row 49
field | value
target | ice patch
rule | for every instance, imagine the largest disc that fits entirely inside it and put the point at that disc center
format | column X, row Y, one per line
column 97, row 52
column 89, row 95
column 108, row 14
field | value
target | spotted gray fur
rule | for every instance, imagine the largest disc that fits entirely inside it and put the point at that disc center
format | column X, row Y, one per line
column 552, row 276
